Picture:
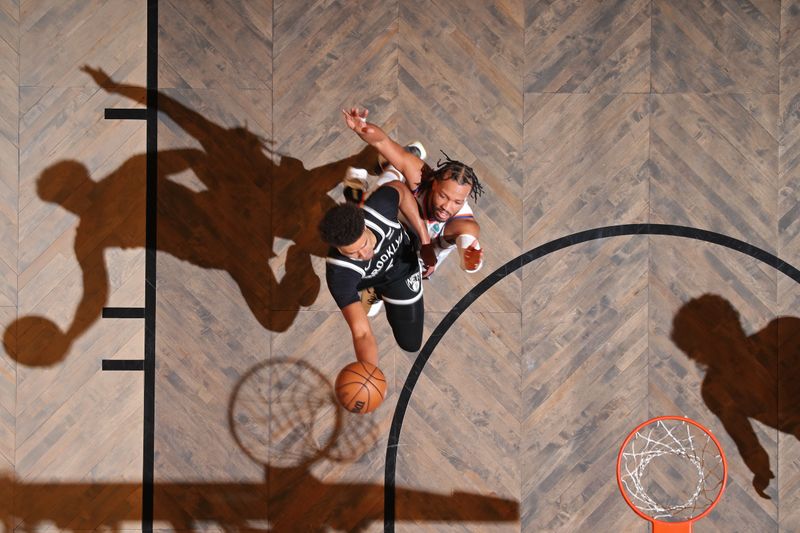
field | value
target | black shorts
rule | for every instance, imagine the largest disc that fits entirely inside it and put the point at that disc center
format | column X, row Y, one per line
column 404, row 291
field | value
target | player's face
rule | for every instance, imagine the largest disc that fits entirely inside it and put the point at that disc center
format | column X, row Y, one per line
column 447, row 197
column 362, row 249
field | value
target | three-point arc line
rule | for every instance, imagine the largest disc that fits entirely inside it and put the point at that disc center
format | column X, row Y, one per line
column 514, row 265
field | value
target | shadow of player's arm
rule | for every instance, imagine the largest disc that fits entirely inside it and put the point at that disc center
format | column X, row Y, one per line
column 738, row 426
column 357, row 506
column 95, row 284
column 188, row 119
column 456, row 507
column 172, row 162
column 134, row 92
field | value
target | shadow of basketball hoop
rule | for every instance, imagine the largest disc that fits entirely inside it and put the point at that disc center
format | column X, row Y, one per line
column 283, row 414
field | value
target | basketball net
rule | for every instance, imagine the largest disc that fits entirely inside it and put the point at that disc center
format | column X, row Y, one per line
column 671, row 471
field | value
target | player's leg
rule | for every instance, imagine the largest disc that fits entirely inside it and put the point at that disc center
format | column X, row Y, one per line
column 354, row 185
column 407, row 322
column 405, row 311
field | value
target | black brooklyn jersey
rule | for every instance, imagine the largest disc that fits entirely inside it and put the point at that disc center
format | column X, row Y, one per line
column 394, row 257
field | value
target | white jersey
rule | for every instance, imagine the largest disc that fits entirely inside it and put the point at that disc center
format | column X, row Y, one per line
column 435, row 227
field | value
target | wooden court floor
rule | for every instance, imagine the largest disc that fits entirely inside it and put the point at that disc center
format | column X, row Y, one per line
column 576, row 115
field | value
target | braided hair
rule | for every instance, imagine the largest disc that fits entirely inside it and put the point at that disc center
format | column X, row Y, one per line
column 451, row 169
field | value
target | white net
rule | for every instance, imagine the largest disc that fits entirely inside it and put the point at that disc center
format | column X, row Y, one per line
column 672, row 470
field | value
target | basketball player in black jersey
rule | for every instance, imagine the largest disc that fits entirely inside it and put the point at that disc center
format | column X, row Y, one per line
column 370, row 248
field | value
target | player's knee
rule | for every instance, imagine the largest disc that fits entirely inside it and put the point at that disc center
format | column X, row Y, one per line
column 410, row 345
column 408, row 335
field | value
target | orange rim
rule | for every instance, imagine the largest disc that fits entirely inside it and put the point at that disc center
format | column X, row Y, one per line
column 721, row 454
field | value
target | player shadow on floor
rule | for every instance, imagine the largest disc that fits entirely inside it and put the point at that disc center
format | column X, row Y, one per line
column 246, row 202
column 746, row 377
column 283, row 416
column 194, row 506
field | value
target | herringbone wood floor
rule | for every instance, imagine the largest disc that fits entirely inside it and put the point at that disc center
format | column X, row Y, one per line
column 574, row 115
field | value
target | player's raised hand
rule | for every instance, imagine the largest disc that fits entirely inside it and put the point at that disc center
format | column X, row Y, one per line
column 356, row 120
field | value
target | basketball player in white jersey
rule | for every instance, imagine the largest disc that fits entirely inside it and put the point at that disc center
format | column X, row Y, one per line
column 441, row 193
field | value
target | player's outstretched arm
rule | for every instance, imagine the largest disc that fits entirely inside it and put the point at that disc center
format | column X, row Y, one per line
column 464, row 233
column 408, row 164
column 364, row 343
column 408, row 206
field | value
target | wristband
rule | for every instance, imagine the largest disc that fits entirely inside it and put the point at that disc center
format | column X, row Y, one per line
column 463, row 242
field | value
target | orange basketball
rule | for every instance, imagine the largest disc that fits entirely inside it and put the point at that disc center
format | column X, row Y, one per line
column 360, row 387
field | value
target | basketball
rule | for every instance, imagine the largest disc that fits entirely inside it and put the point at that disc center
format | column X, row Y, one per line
column 360, row 387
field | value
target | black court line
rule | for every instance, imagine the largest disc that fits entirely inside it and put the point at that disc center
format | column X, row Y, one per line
column 151, row 243
column 125, row 113
column 148, row 364
column 123, row 312
column 123, row 364
column 514, row 265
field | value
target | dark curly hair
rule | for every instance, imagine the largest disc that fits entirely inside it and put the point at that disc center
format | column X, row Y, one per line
column 451, row 169
column 342, row 225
